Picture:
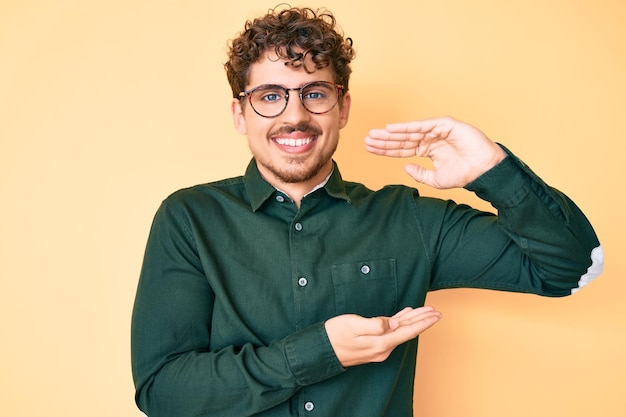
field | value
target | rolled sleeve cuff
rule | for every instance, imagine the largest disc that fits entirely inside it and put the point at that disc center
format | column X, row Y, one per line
column 311, row 356
column 506, row 184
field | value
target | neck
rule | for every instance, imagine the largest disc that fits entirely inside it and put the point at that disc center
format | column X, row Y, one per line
column 295, row 191
column 298, row 190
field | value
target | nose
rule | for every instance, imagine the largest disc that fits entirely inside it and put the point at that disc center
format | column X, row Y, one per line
column 295, row 111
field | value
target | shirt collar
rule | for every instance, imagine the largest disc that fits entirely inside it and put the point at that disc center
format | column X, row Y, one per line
column 260, row 190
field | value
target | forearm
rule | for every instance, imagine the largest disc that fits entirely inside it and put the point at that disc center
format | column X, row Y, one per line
column 546, row 225
column 237, row 381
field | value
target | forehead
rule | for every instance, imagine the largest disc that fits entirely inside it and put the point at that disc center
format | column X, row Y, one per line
column 270, row 69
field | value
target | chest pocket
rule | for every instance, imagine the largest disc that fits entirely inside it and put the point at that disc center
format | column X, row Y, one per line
column 367, row 288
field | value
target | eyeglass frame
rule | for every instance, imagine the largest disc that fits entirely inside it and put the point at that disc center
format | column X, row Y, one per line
column 338, row 87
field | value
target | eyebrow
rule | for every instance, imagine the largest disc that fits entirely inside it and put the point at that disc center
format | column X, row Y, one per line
column 284, row 86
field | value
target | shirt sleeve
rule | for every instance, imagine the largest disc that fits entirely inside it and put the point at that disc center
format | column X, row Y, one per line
column 539, row 242
column 175, row 371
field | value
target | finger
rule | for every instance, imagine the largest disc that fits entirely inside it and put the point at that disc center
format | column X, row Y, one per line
column 410, row 313
column 392, row 142
column 385, row 135
column 404, row 311
column 413, row 126
column 410, row 329
column 395, row 153
column 439, row 124
column 394, row 321
column 422, row 323
column 397, row 149
column 417, row 324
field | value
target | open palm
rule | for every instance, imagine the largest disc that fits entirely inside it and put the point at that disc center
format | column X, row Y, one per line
column 459, row 152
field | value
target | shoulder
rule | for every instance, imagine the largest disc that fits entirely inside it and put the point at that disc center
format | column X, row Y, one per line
column 201, row 196
column 358, row 192
column 400, row 200
column 207, row 190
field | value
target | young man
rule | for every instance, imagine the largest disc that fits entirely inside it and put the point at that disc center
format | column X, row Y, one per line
column 290, row 292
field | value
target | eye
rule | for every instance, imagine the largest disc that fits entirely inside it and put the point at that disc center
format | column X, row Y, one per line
column 317, row 92
column 313, row 95
column 269, row 94
column 271, row 97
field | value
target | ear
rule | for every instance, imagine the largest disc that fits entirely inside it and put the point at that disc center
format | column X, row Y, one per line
column 238, row 117
column 344, row 110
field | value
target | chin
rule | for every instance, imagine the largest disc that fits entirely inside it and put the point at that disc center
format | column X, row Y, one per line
column 298, row 173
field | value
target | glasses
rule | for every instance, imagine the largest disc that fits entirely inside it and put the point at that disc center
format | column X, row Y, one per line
column 270, row 100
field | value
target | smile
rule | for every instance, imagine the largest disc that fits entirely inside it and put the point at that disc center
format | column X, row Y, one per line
column 293, row 142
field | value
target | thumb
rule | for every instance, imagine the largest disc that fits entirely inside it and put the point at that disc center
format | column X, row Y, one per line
column 374, row 326
column 393, row 323
column 420, row 174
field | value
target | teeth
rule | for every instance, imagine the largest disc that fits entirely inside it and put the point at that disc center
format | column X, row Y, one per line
column 293, row 142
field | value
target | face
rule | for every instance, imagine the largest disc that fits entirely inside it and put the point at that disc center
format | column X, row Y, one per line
column 297, row 146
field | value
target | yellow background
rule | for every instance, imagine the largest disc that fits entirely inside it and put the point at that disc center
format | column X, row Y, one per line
column 108, row 106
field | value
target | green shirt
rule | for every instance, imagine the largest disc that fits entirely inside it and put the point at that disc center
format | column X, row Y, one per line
column 237, row 283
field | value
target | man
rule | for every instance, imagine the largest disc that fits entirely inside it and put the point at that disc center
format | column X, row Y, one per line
column 290, row 292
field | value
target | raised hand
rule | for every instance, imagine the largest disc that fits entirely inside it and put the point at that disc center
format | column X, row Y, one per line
column 460, row 152
column 358, row 340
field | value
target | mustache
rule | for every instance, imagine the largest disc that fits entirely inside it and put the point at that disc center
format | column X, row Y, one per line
column 300, row 127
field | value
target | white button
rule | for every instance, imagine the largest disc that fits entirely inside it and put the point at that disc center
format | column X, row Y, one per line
column 302, row 282
column 280, row 198
column 298, row 226
column 365, row 269
column 309, row 406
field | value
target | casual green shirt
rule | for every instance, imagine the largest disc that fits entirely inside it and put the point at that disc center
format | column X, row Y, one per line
column 237, row 283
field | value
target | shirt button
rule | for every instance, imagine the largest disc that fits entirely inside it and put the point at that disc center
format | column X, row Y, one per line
column 365, row 269
column 302, row 282
column 309, row 406
column 298, row 226
column 280, row 198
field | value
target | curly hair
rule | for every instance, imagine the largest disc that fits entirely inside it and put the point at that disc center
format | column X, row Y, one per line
column 293, row 34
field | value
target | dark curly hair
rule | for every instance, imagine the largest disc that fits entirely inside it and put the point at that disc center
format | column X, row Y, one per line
column 293, row 34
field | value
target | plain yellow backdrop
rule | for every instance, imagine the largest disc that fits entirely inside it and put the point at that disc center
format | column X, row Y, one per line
column 106, row 107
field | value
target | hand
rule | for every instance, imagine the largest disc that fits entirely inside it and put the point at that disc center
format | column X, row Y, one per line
column 460, row 153
column 358, row 340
